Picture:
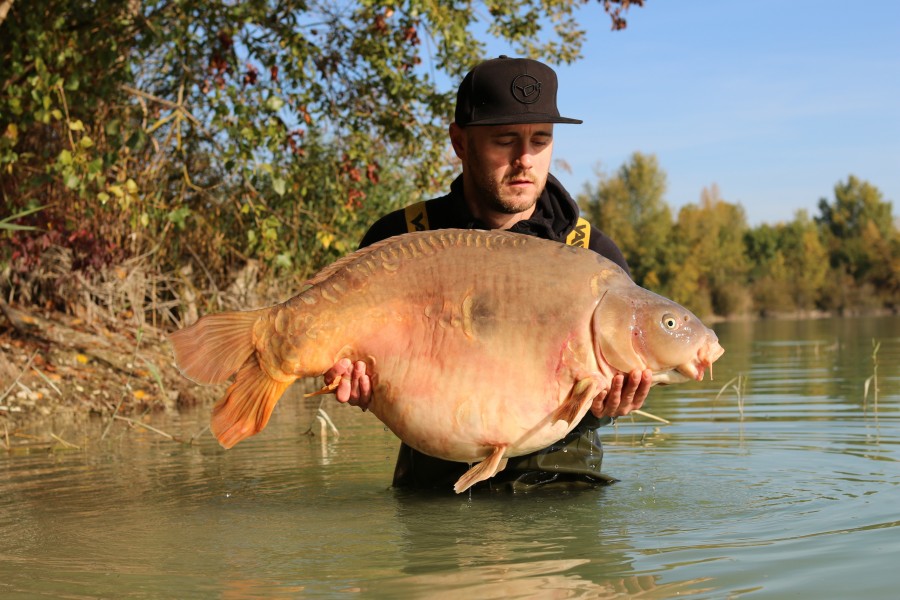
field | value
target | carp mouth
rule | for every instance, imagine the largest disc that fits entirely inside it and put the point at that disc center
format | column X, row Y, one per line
column 696, row 368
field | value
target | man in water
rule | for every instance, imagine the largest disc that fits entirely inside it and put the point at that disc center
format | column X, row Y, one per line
column 503, row 135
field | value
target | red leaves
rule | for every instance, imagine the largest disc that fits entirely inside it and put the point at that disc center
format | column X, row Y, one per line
column 294, row 139
column 356, row 195
column 615, row 12
column 251, row 75
column 372, row 173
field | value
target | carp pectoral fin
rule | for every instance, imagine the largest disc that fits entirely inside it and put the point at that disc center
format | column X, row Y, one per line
column 247, row 405
column 326, row 389
column 583, row 391
column 486, row 469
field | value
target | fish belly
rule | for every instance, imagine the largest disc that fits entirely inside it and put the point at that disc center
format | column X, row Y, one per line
column 468, row 346
column 463, row 397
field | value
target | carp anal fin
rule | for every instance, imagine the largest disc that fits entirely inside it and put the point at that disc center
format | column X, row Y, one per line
column 583, row 391
column 214, row 348
column 486, row 469
column 247, row 405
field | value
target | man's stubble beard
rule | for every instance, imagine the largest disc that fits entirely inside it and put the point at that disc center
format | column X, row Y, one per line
column 490, row 195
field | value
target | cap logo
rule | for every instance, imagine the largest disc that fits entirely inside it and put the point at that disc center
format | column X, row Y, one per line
column 526, row 89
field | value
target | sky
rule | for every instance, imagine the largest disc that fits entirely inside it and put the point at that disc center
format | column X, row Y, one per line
column 773, row 101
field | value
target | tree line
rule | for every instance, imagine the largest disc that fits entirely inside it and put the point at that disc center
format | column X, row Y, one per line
column 188, row 139
column 845, row 259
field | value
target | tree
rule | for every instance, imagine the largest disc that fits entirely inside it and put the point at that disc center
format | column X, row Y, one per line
column 229, row 130
column 789, row 265
column 709, row 266
column 630, row 208
column 862, row 243
column 806, row 261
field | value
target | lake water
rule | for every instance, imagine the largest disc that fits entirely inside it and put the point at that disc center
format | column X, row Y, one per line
column 791, row 492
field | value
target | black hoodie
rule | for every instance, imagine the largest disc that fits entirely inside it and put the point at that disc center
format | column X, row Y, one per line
column 555, row 215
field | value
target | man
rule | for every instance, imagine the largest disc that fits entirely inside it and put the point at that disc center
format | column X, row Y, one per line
column 503, row 135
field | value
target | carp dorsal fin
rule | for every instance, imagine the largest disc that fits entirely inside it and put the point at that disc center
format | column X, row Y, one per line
column 486, row 469
column 342, row 262
column 433, row 240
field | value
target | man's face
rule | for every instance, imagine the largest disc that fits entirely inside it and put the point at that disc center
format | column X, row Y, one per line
column 505, row 166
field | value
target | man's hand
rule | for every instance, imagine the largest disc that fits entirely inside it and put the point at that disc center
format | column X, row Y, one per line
column 624, row 395
column 355, row 387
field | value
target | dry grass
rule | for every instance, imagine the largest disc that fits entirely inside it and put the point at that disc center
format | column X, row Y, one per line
column 739, row 385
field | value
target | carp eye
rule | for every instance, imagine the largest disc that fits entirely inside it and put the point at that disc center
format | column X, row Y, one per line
column 669, row 322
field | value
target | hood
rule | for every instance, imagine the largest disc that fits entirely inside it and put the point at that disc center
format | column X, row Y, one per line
column 555, row 213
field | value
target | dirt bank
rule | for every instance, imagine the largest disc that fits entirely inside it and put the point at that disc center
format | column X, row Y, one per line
column 55, row 366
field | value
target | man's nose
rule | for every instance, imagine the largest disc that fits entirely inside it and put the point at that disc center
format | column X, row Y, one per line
column 525, row 160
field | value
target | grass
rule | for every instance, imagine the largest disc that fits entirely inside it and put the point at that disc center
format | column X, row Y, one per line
column 739, row 385
column 872, row 381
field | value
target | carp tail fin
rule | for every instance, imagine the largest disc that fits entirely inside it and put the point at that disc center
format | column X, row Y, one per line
column 214, row 348
column 247, row 405
column 486, row 469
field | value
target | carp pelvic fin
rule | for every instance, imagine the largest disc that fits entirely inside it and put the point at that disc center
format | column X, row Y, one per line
column 247, row 405
column 583, row 391
column 486, row 469
column 214, row 348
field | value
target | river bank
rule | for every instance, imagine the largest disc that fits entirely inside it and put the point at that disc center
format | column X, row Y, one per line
column 60, row 368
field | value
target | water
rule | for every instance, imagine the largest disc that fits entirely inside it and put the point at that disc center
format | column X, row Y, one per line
column 798, row 496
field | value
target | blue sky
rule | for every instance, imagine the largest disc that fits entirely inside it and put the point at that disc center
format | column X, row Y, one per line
column 773, row 101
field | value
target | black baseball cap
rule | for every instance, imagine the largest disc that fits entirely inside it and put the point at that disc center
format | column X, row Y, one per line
column 506, row 91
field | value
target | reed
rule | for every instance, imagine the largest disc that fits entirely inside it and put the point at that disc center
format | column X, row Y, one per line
column 739, row 385
column 872, row 380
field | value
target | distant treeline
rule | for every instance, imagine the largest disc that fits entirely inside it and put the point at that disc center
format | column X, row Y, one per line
column 845, row 259
column 167, row 156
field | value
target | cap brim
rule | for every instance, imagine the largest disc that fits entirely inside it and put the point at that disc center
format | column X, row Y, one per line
column 522, row 119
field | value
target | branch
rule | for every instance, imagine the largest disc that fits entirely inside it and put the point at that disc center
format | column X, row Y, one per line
column 615, row 12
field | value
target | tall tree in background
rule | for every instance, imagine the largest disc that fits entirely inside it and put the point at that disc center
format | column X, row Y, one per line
column 863, row 245
column 630, row 208
column 789, row 265
column 806, row 261
column 709, row 266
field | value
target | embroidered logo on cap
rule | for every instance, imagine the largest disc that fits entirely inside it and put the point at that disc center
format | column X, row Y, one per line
column 526, row 89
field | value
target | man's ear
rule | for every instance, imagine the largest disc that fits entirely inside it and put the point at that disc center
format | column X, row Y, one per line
column 458, row 139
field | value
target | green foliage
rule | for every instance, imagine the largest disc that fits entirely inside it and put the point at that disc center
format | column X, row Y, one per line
column 710, row 238
column 862, row 240
column 631, row 208
column 846, row 259
column 219, row 132
column 789, row 265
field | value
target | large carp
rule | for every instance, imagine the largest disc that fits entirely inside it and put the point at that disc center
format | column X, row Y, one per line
column 480, row 345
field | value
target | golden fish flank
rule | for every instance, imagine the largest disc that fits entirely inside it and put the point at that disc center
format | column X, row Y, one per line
column 481, row 345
